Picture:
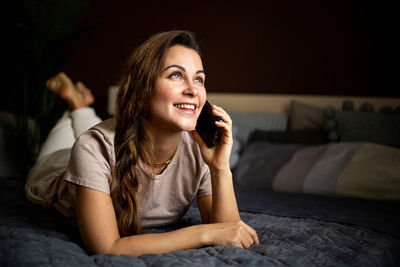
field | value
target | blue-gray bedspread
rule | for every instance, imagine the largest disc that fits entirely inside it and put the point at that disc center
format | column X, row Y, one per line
column 32, row 236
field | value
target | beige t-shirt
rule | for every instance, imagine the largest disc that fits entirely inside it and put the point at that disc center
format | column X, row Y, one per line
column 163, row 198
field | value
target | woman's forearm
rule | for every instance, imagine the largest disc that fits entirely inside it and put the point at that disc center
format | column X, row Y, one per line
column 232, row 234
column 224, row 206
column 185, row 238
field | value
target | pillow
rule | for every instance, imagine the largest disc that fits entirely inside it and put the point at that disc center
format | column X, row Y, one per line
column 376, row 127
column 305, row 137
column 303, row 116
column 235, row 153
column 351, row 169
column 243, row 123
column 246, row 122
column 260, row 162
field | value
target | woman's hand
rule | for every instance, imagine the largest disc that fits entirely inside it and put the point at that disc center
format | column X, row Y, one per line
column 217, row 157
column 236, row 234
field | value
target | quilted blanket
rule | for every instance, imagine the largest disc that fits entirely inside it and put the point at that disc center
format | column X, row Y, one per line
column 30, row 235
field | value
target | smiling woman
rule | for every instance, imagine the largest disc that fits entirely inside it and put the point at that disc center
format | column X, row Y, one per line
column 179, row 93
column 144, row 167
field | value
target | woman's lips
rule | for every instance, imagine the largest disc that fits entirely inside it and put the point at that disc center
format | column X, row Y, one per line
column 187, row 108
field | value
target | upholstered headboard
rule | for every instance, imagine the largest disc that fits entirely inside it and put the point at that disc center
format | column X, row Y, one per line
column 281, row 103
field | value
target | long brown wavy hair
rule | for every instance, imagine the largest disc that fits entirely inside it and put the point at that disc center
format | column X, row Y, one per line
column 132, row 106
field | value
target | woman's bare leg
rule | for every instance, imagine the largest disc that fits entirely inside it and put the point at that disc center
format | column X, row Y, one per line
column 54, row 155
column 76, row 120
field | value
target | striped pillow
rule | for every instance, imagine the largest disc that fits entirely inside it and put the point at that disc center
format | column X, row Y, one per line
column 351, row 169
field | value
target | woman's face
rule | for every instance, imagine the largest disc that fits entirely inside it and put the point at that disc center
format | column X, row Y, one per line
column 179, row 93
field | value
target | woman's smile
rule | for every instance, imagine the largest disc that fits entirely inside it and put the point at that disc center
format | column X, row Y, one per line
column 186, row 108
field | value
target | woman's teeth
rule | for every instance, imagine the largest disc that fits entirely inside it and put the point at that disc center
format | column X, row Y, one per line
column 185, row 106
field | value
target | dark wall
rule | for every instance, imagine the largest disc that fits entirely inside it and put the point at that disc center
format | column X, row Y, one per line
column 284, row 47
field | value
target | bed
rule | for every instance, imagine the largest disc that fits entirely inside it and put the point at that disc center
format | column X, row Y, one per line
column 317, row 177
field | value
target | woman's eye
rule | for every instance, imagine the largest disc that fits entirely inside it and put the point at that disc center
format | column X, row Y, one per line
column 199, row 80
column 175, row 75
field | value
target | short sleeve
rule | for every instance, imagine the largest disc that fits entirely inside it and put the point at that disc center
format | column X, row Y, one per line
column 89, row 165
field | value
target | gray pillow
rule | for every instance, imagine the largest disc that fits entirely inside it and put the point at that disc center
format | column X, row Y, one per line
column 247, row 122
column 235, row 155
column 260, row 163
column 377, row 127
column 244, row 123
column 303, row 116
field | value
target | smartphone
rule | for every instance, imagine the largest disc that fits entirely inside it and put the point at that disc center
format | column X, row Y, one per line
column 206, row 127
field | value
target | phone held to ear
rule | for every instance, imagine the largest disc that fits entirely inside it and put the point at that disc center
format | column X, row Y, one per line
column 206, row 127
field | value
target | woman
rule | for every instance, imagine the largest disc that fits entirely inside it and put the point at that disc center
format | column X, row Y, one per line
column 144, row 167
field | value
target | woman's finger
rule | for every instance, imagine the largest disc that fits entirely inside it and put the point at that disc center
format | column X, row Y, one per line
column 227, row 128
column 219, row 112
column 252, row 233
column 226, row 122
column 246, row 241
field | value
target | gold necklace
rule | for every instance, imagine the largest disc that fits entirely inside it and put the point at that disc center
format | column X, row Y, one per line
column 160, row 164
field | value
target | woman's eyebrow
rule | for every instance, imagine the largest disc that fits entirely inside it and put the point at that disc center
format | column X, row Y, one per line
column 175, row 66
column 182, row 68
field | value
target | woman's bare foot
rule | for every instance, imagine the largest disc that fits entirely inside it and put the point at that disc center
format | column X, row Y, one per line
column 88, row 97
column 77, row 96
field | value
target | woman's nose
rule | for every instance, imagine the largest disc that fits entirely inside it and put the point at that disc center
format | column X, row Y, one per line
column 190, row 89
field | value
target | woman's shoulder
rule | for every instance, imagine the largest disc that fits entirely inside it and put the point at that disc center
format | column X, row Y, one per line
column 106, row 128
column 101, row 132
column 189, row 144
